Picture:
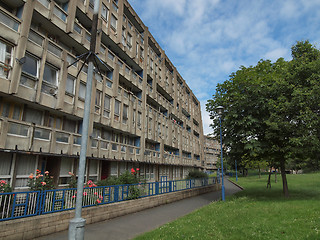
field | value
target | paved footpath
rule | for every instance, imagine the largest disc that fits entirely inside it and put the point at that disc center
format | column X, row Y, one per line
column 132, row 225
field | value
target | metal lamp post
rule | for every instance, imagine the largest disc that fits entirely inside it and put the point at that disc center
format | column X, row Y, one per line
column 76, row 225
column 220, row 112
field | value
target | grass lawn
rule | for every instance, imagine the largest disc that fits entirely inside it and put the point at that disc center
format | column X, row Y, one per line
column 255, row 213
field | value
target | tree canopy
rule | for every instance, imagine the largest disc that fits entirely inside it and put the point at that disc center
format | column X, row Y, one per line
column 272, row 111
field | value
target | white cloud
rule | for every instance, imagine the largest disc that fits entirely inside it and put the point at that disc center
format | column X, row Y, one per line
column 208, row 39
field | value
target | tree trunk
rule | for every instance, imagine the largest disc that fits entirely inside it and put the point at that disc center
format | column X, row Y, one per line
column 269, row 179
column 259, row 171
column 284, row 179
column 275, row 176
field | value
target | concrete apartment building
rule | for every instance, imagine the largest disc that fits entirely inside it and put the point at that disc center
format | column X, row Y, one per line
column 212, row 153
column 143, row 114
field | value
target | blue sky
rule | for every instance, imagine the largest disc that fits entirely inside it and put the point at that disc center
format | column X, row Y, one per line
column 207, row 40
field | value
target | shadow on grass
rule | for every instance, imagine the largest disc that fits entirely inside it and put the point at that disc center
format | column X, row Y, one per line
column 260, row 193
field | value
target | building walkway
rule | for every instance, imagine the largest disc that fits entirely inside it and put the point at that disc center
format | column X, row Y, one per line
column 132, row 225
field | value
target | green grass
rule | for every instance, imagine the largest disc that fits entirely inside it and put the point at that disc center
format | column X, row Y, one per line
column 255, row 213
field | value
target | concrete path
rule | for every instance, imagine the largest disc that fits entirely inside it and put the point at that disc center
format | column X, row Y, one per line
column 132, row 225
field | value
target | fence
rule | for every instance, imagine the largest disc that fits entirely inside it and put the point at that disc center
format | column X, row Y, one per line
column 25, row 204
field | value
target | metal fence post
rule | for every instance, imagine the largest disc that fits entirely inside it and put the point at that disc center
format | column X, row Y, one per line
column 157, row 188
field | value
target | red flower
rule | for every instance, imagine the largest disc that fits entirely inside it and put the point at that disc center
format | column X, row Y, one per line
column 132, row 170
column 138, row 169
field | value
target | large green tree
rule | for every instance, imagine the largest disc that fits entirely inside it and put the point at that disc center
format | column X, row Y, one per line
column 272, row 111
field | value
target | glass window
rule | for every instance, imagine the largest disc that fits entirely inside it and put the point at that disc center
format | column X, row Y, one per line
column 82, row 90
column 33, row 116
column 117, row 110
column 106, row 106
column 113, row 22
column 70, row 84
column 25, row 165
column 50, row 74
column 30, row 66
column 5, row 59
column 104, row 12
column 125, row 114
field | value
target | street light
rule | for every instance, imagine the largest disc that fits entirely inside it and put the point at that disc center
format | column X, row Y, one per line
column 220, row 112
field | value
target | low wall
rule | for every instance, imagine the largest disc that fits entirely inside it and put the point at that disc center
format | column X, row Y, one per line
column 37, row 226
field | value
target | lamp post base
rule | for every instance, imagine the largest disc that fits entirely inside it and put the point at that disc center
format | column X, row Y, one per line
column 76, row 229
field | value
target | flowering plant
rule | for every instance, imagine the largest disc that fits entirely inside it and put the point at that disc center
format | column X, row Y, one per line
column 73, row 180
column 4, row 186
column 40, row 182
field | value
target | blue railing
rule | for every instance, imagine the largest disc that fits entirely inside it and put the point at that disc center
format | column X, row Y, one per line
column 25, row 204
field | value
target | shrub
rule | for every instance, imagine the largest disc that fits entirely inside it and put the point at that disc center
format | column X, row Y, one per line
column 196, row 174
column 4, row 186
column 40, row 182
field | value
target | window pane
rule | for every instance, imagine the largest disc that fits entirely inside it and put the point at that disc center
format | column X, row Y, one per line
column 117, row 107
column 5, row 164
column 50, row 75
column 107, row 102
column 33, row 116
column 82, row 91
column 30, row 66
column 70, row 84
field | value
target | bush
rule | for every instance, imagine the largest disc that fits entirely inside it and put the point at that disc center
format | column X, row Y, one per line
column 4, row 187
column 40, row 182
column 196, row 174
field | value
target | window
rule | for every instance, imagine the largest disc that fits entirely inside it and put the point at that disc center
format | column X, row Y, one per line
column 11, row 110
column 5, row 166
column 139, row 119
column 110, row 75
column 54, row 122
column 25, row 165
column 50, row 80
column 125, row 114
column 109, row 84
column 115, row 7
column 82, row 91
column 93, row 169
column 5, row 59
column 35, row 37
column 129, row 40
column 106, row 106
column 104, row 12
column 71, row 60
column 113, row 22
column 33, row 116
column 65, row 168
column 98, row 101
column 71, row 80
column 77, row 28
column 30, row 72
column 69, row 125
column 117, row 110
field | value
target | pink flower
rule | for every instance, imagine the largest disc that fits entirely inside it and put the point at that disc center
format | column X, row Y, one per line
column 95, row 193
column 98, row 201
column 31, row 176
column 138, row 169
column 132, row 170
column 100, row 196
column 46, row 172
column 74, row 196
column 43, row 183
column 85, row 194
column 70, row 173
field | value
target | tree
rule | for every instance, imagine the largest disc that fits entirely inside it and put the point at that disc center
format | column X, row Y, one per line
column 272, row 111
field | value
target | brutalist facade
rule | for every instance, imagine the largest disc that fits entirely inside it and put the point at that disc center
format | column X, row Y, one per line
column 143, row 114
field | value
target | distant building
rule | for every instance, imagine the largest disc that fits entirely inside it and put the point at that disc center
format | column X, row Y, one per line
column 143, row 114
column 212, row 153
